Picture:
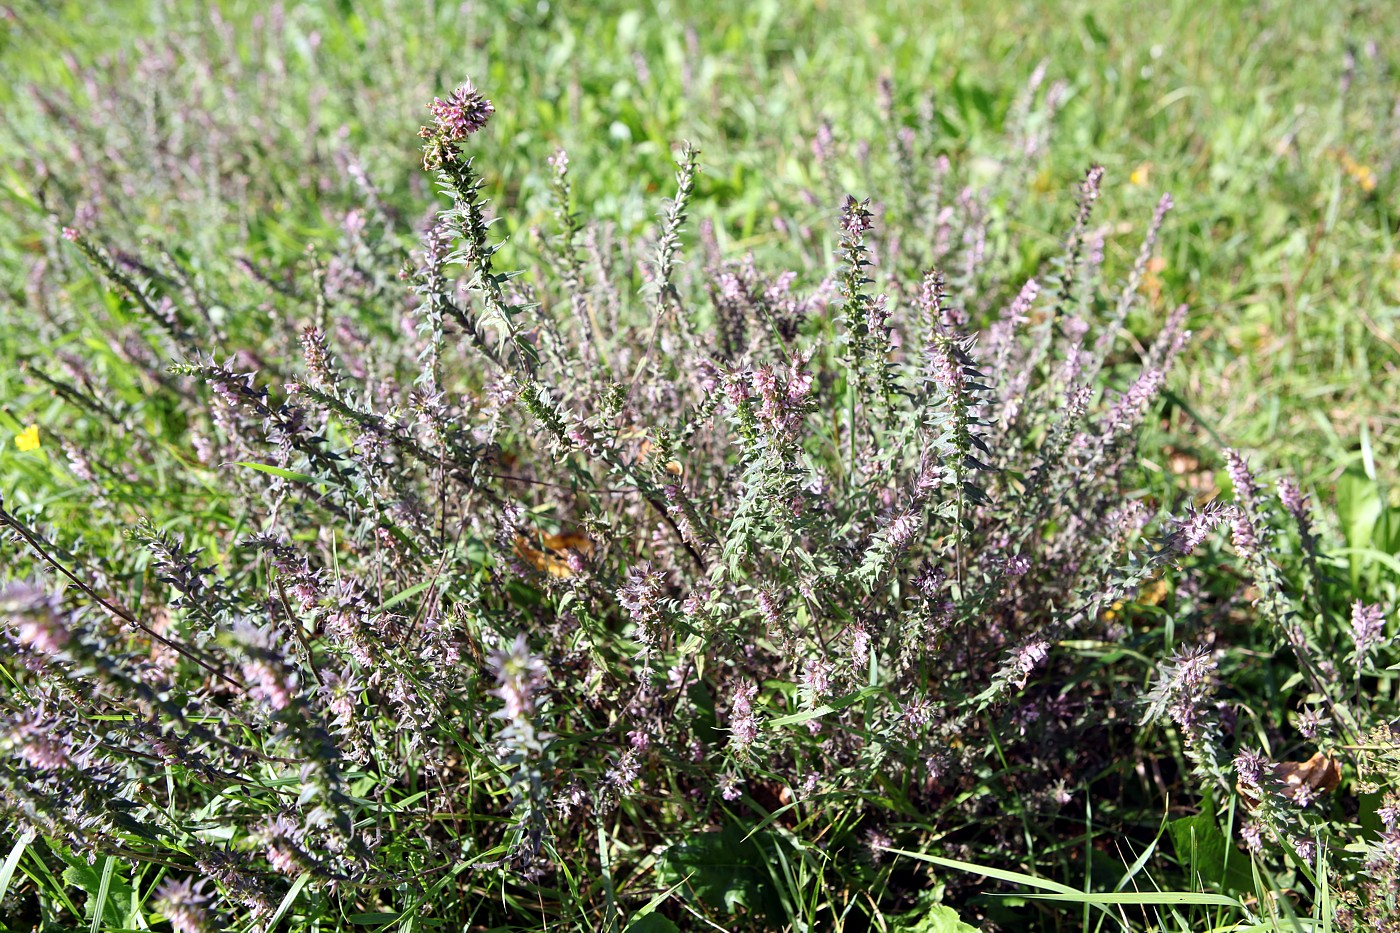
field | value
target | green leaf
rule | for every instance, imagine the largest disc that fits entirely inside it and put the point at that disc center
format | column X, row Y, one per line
column 104, row 888
column 107, row 888
column 372, row 919
column 7, row 871
column 1001, row 874
column 1386, row 535
column 1094, row 30
column 939, row 919
column 1367, row 554
column 406, row 595
column 1116, row 898
column 723, row 869
column 1204, row 850
column 642, row 920
column 279, row 471
column 1359, row 506
column 833, row 706
column 289, row 900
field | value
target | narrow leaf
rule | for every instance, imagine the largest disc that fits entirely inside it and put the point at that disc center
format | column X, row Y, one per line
column 7, row 871
column 289, row 899
column 103, row 888
column 822, row 710
column 279, row 471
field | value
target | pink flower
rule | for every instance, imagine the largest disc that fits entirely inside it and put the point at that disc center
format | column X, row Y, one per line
column 185, row 905
column 729, row 787
column 860, row 645
column 1198, row 523
column 1249, row 767
column 817, row 678
column 464, row 112
column 1367, row 627
column 743, row 725
column 520, row 675
column 856, row 218
column 1242, row 478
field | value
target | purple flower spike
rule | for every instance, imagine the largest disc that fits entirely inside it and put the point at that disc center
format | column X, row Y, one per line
column 1367, row 628
column 463, row 113
column 185, row 904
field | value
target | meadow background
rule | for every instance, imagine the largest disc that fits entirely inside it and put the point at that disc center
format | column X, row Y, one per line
column 239, row 135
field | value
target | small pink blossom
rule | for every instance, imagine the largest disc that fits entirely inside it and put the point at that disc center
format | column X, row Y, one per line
column 464, row 112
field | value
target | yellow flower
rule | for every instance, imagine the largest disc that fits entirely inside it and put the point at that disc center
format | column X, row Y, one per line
column 28, row 439
column 1362, row 174
column 1365, row 177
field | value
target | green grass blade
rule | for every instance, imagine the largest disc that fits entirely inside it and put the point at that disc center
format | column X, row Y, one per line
column 279, row 471
column 658, row 900
column 406, row 595
column 289, row 899
column 1002, row 874
column 103, row 888
column 7, row 871
column 1144, row 897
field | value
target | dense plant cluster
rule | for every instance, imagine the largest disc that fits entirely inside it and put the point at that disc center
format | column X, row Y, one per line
column 648, row 586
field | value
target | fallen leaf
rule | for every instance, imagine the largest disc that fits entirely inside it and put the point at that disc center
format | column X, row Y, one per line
column 644, row 452
column 568, row 541
column 546, row 560
column 1151, row 594
column 1318, row 775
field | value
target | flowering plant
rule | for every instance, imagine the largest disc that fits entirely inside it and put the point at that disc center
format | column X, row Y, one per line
column 565, row 576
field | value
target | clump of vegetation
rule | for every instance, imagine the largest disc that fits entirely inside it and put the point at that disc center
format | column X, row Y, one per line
column 644, row 585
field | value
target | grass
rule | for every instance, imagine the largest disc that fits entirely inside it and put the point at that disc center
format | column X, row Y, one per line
column 1286, row 258
column 1282, row 241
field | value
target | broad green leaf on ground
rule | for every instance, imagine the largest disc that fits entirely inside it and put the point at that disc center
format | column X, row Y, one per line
column 723, row 869
column 1203, row 849
column 116, row 906
column 652, row 923
column 1359, row 507
column 939, row 919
